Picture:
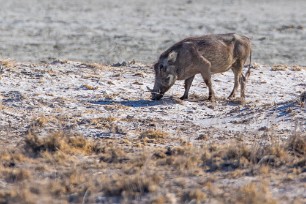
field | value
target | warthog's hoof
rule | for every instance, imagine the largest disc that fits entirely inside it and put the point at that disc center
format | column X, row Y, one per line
column 157, row 97
column 184, row 97
column 212, row 99
column 242, row 101
column 231, row 97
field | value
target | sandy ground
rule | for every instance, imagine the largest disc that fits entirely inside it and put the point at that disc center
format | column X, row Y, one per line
column 111, row 31
column 78, row 92
column 101, row 101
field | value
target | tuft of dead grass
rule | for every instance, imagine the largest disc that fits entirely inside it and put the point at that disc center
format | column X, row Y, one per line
column 12, row 175
column 297, row 144
column 109, row 119
column 113, row 155
column 153, row 134
column 132, row 186
column 40, row 121
column 241, row 156
column 37, row 145
column 264, row 169
column 297, row 68
column 20, row 195
column 255, row 65
column 59, row 141
column 95, row 65
column 194, row 196
column 8, row 63
column 13, row 156
column 279, row 67
column 89, row 87
column 253, row 193
column 139, row 74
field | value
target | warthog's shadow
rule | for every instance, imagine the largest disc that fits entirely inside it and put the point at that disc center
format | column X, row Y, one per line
column 136, row 103
column 164, row 101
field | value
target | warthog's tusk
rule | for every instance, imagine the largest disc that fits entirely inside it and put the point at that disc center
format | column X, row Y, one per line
column 151, row 90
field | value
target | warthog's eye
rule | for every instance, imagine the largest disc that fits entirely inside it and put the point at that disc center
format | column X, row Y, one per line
column 161, row 67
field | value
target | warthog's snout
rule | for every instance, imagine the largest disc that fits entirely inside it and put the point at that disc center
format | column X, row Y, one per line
column 157, row 96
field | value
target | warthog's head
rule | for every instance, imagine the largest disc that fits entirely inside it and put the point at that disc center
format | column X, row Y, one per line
column 165, row 75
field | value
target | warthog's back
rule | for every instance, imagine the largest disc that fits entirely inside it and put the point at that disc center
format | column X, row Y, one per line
column 220, row 50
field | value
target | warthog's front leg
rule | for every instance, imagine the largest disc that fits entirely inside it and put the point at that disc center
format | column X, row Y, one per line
column 206, row 74
column 187, row 86
column 211, row 93
column 203, row 66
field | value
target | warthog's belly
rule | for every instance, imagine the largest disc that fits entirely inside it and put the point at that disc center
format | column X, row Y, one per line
column 220, row 69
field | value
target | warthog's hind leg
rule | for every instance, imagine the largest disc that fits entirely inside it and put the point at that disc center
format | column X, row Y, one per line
column 206, row 74
column 187, row 86
column 242, row 87
column 240, row 79
column 237, row 74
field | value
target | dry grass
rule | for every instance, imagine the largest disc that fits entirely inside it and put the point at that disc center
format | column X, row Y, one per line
column 153, row 134
column 194, row 196
column 58, row 142
column 15, row 175
column 40, row 121
column 139, row 74
column 253, row 193
column 89, row 87
column 256, row 65
column 104, row 122
column 8, row 63
column 137, row 83
column 297, row 144
column 297, row 68
column 67, row 168
column 279, row 67
column 264, row 169
column 95, row 65
column 282, row 67
column 20, row 195
column 132, row 186
column 109, row 119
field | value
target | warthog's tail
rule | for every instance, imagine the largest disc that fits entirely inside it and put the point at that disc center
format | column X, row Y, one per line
column 248, row 73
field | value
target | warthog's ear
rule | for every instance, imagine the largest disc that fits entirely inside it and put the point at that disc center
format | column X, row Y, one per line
column 172, row 57
column 155, row 66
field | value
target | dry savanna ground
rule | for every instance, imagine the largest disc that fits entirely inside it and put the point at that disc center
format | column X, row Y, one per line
column 73, row 132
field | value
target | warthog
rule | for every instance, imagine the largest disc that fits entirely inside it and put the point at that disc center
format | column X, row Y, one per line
column 205, row 55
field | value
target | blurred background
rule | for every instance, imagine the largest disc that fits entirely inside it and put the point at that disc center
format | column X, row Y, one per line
column 111, row 31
